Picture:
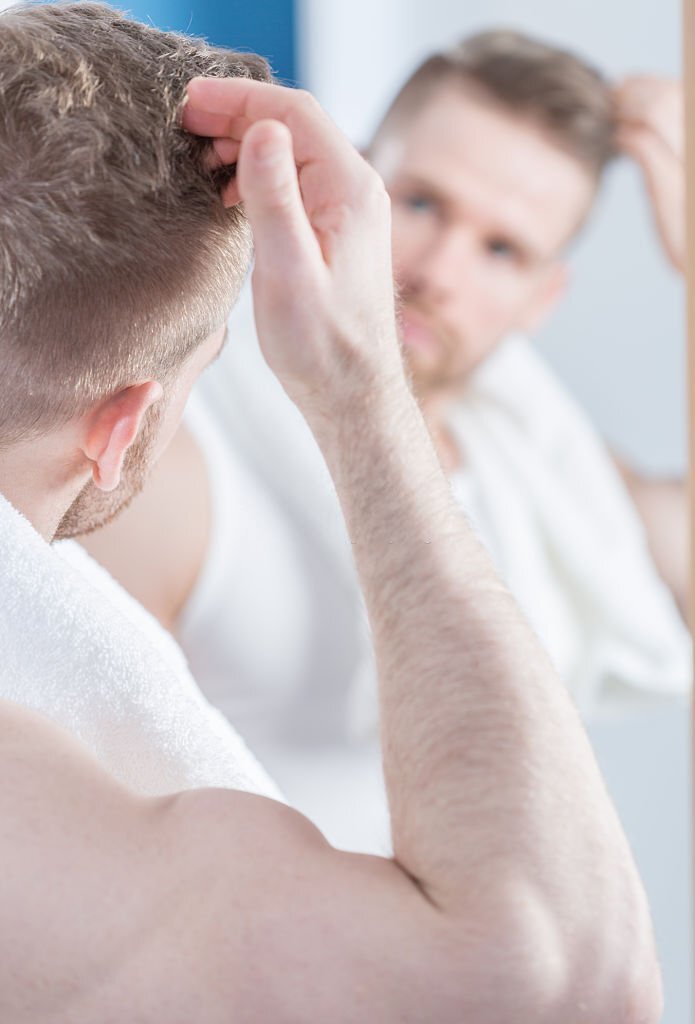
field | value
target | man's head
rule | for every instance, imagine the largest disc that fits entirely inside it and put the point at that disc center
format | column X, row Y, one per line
column 118, row 259
column 492, row 153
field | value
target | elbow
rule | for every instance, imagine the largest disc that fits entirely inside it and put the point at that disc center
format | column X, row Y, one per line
column 545, row 966
column 629, row 993
column 614, row 982
column 646, row 997
column 632, row 996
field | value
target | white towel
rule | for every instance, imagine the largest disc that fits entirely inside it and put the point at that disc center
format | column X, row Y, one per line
column 542, row 490
column 76, row 648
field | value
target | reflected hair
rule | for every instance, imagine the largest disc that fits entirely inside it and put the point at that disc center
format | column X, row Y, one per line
column 553, row 89
column 117, row 255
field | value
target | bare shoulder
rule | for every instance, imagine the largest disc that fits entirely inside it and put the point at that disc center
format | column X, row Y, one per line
column 213, row 906
column 157, row 546
column 305, row 932
column 206, row 906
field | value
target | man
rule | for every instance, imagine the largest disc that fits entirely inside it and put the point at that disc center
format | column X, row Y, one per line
column 480, row 237
column 492, row 154
column 480, row 232
column 210, row 904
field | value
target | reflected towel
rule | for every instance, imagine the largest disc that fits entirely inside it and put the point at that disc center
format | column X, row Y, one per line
column 543, row 493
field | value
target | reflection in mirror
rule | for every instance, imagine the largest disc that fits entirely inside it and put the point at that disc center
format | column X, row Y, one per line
column 536, row 180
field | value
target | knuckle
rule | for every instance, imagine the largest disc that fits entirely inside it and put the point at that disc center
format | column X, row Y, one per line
column 307, row 101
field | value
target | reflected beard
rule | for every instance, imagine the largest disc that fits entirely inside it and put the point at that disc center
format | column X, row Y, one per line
column 430, row 377
column 425, row 380
column 435, row 370
column 449, row 368
column 94, row 508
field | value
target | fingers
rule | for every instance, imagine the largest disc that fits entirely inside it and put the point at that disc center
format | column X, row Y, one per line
column 333, row 177
column 634, row 95
column 269, row 188
column 655, row 104
column 663, row 173
column 641, row 143
column 663, row 176
column 661, row 167
column 227, row 107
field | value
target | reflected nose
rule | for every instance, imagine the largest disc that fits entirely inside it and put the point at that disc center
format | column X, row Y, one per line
column 446, row 265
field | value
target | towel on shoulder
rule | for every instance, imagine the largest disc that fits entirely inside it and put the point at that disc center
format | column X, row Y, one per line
column 549, row 504
column 76, row 648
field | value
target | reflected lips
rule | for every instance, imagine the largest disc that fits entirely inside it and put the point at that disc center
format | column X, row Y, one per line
column 417, row 335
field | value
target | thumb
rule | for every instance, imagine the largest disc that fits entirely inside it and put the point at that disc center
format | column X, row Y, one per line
column 269, row 189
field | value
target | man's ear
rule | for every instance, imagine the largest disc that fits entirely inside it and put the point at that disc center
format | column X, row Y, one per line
column 112, row 427
column 550, row 291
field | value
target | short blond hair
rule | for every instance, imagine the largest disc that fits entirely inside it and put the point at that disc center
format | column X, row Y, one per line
column 554, row 89
column 117, row 256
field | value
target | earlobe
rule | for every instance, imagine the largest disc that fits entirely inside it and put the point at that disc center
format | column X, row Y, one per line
column 113, row 426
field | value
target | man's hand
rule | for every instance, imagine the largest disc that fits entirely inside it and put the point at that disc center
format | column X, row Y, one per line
column 320, row 217
column 650, row 113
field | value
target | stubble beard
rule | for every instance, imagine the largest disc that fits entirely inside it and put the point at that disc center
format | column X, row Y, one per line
column 94, row 508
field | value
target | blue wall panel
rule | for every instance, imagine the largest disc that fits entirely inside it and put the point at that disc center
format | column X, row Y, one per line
column 266, row 27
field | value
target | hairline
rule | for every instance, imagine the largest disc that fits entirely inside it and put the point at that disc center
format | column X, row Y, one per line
column 399, row 118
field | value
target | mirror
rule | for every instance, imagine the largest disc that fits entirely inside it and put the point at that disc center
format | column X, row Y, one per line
column 616, row 343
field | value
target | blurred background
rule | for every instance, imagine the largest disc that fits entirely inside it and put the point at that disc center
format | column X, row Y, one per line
column 618, row 342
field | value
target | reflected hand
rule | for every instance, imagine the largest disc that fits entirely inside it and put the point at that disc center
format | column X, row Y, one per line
column 323, row 287
column 650, row 115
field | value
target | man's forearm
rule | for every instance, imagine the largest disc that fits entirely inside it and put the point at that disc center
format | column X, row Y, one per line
column 481, row 742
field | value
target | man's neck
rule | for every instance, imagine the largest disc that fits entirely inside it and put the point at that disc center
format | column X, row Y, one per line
column 40, row 482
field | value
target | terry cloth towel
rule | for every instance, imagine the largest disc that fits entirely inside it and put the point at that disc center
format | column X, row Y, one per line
column 546, row 499
column 76, row 648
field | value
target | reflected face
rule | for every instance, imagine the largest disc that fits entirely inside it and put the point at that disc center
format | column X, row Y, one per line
column 93, row 507
column 483, row 205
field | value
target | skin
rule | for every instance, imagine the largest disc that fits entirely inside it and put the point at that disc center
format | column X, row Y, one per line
column 479, row 229
column 651, row 116
column 461, row 924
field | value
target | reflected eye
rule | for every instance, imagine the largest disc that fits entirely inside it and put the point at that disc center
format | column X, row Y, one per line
column 501, row 249
column 418, row 203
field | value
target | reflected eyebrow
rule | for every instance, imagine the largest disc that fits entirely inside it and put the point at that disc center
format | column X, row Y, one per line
column 414, row 182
